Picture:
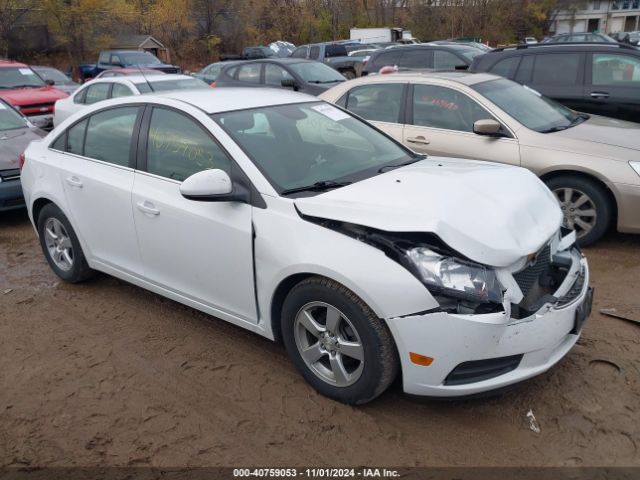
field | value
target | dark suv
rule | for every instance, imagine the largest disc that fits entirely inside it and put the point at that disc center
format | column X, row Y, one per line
column 601, row 78
column 437, row 57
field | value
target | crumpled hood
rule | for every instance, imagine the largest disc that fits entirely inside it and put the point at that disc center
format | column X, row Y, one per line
column 493, row 214
column 604, row 131
column 32, row 96
column 12, row 144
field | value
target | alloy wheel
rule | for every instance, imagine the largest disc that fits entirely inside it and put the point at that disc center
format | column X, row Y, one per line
column 578, row 210
column 329, row 344
column 58, row 244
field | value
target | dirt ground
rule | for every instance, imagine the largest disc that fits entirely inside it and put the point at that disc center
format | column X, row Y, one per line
column 107, row 373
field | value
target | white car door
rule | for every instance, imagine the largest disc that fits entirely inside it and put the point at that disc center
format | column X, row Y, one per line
column 440, row 122
column 198, row 249
column 97, row 178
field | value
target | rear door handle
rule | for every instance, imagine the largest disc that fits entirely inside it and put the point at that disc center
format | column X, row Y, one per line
column 74, row 182
column 419, row 139
column 148, row 208
column 599, row 95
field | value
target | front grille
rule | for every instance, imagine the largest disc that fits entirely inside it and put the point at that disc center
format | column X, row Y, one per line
column 13, row 174
column 36, row 108
column 528, row 277
column 479, row 370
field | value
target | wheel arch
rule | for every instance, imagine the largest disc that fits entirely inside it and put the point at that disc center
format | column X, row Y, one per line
column 613, row 202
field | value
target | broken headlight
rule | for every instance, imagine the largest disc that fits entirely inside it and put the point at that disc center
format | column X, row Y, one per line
column 452, row 277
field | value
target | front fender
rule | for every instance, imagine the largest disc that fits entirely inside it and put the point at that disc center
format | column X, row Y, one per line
column 287, row 245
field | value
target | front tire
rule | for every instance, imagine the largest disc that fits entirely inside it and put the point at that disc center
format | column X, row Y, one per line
column 336, row 341
column 585, row 207
column 61, row 246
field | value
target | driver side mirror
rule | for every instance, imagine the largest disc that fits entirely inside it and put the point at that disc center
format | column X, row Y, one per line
column 488, row 127
column 209, row 186
column 50, row 82
column 289, row 83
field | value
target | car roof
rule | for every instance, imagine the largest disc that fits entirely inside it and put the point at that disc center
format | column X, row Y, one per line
column 142, row 78
column 285, row 60
column 216, row 100
column 571, row 45
column 461, row 77
column 11, row 64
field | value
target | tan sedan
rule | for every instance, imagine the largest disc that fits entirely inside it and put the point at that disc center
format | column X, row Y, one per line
column 591, row 163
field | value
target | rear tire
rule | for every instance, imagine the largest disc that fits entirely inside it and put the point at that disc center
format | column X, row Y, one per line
column 336, row 341
column 586, row 208
column 61, row 246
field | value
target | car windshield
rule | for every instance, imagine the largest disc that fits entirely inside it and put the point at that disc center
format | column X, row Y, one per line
column 311, row 144
column 19, row 77
column 52, row 74
column 10, row 119
column 139, row 58
column 153, row 85
column 315, row 72
column 527, row 106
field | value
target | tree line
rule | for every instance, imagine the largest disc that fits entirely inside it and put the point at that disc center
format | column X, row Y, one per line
column 198, row 31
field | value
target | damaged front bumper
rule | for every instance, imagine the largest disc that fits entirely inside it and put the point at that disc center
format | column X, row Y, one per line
column 474, row 353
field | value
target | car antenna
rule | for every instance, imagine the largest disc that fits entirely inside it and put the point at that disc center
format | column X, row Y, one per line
column 145, row 77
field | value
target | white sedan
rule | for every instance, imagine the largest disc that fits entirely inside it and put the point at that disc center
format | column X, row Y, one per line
column 294, row 219
column 105, row 88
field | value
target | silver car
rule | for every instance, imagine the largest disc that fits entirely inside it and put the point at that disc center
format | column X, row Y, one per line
column 591, row 163
column 15, row 135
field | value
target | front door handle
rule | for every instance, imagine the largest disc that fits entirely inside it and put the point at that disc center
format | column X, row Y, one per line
column 599, row 95
column 74, row 182
column 419, row 139
column 148, row 208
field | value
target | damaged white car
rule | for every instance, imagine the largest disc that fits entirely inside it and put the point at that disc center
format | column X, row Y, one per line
column 290, row 217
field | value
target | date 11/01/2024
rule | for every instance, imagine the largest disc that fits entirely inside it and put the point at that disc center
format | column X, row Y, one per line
column 316, row 472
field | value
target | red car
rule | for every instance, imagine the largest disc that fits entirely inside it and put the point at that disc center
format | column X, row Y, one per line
column 21, row 87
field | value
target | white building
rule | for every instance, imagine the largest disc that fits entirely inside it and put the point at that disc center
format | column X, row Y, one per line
column 608, row 16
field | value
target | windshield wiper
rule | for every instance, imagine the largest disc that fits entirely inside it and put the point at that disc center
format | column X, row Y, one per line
column 403, row 164
column 326, row 81
column 576, row 121
column 24, row 86
column 316, row 187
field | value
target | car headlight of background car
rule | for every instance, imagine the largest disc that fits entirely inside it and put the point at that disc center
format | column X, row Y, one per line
column 453, row 277
column 635, row 166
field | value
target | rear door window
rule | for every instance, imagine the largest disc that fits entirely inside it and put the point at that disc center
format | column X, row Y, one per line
column 120, row 90
column 75, row 138
column 274, row 74
column 97, row 93
column 377, row 102
column 109, row 135
column 416, row 58
column 386, row 59
column 443, row 60
column 556, row 69
column 250, row 73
